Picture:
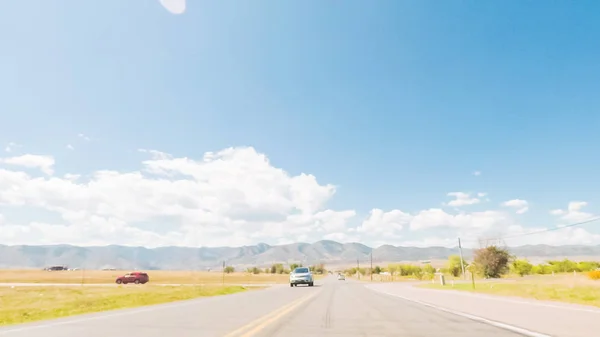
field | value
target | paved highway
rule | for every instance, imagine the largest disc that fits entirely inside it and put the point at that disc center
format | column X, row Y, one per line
column 331, row 308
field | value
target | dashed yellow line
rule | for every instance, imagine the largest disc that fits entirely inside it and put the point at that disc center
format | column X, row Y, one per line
column 260, row 324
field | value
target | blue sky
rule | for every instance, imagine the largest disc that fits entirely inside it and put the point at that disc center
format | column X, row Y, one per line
column 394, row 102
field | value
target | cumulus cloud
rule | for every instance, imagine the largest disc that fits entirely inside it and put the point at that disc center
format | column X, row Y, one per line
column 44, row 163
column 520, row 205
column 174, row 6
column 84, row 137
column 70, row 147
column 477, row 173
column 383, row 224
column 462, row 199
column 230, row 197
column 234, row 196
column 573, row 213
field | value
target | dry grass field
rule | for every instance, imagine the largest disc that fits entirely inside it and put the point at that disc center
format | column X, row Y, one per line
column 26, row 304
column 156, row 277
column 572, row 288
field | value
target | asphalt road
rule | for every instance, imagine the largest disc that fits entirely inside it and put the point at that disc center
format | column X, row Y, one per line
column 331, row 308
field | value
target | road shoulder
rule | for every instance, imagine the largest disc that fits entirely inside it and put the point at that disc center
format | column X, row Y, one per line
column 555, row 319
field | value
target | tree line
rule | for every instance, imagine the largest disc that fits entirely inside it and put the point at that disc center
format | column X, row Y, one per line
column 488, row 262
column 278, row 268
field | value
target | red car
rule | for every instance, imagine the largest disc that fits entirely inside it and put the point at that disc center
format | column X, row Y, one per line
column 134, row 277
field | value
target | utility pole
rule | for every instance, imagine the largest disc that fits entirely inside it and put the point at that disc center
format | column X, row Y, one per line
column 371, row 267
column 223, row 272
column 462, row 264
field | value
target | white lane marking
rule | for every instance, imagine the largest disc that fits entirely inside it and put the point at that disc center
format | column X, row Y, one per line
column 505, row 326
column 566, row 306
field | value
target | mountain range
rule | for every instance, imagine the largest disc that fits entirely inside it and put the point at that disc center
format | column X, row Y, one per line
column 186, row 258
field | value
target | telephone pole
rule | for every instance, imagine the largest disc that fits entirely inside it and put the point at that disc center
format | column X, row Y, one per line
column 371, row 267
column 223, row 281
column 462, row 264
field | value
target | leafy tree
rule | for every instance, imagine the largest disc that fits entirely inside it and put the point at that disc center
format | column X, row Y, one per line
column 376, row 270
column 588, row 266
column 318, row 269
column 541, row 269
column 277, row 268
column 229, row 270
column 454, row 267
column 254, row 270
column 295, row 265
column 522, row 267
column 429, row 270
column 492, row 261
column 564, row 266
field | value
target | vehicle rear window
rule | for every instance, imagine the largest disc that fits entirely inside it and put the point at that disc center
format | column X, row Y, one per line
column 300, row 270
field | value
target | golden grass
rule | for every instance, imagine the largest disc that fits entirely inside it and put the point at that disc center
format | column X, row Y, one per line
column 564, row 288
column 156, row 277
column 26, row 304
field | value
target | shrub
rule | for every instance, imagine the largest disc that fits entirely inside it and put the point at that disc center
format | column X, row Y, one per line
column 454, row 267
column 588, row 266
column 521, row 267
column 229, row 269
column 491, row 262
column 594, row 275
column 564, row 266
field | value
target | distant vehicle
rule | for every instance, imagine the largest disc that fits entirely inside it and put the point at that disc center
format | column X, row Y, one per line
column 301, row 275
column 341, row 277
column 57, row 268
column 135, row 277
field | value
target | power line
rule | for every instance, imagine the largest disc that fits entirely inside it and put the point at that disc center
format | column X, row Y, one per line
column 546, row 230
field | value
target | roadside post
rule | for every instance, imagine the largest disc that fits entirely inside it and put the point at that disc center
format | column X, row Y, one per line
column 223, row 276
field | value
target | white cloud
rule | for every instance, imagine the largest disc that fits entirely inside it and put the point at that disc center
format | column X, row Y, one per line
column 70, row 147
column 84, row 137
column 522, row 206
column 174, row 6
column 11, row 146
column 44, row 163
column 482, row 221
column 384, row 225
column 230, row 197
column 462, row 199
column 477, row 173
column 573, row 213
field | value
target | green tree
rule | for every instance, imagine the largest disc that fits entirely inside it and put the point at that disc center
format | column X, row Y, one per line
column 564, row 266
column 521, row 267
column 491, row 262
column 318, row 269
column 541, row 269
column 588, row 266
column 429, row 271
column 454, row 267
column 229, row 270
column 295, row 265
column 376, row 270
column 277, row 268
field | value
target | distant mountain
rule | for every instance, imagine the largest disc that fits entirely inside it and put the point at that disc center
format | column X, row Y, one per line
column 180, row 258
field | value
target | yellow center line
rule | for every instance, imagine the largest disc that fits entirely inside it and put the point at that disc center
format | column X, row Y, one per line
column 255, row 326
